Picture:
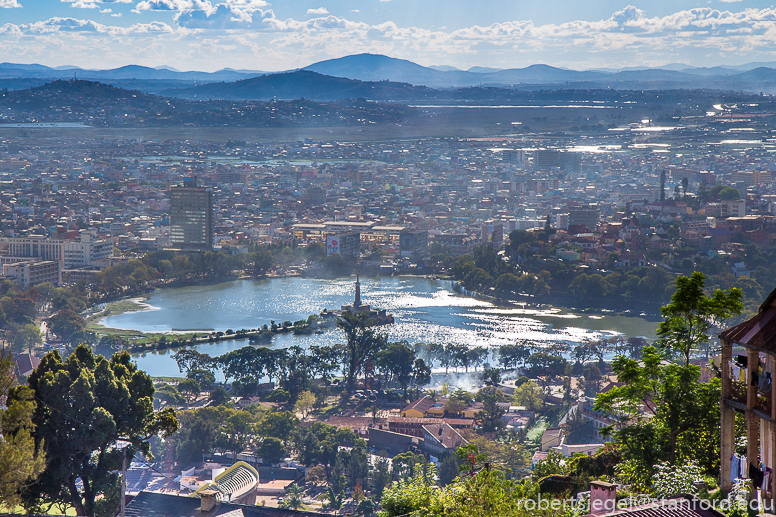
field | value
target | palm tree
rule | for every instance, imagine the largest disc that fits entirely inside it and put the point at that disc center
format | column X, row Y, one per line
column 335, row 500
column 294, row 496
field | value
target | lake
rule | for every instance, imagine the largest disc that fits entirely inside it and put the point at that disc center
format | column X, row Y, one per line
column 426, row 310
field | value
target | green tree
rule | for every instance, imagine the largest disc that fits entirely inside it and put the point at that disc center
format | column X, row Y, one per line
column 529, row 395
column 190, row 389
column 279, row 424
column 205, row 378
column 20, row 462
column 724, row 193
column 263, row 261
column 380, row 477
column 305, row 403
column 363, row 342
column 397, row 360
column 449, row 469
column 671, row 392
column 272, row 450
column 66, row 324
column 27, row 336
column 86, row 405
column 512, row 356
column 487, row 492
column 491, row 377
column 169, row 394
column 421, row 373
column 220, row 397
column 336, row 499
column 489, row 417
column 690, row 315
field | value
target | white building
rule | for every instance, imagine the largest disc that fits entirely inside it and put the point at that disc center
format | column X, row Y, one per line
column 30, row 273
column 87, row 250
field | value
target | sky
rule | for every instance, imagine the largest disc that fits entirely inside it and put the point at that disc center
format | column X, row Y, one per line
column 273, row 35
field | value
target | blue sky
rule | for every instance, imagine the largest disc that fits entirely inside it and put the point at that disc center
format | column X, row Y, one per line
column 279, row 35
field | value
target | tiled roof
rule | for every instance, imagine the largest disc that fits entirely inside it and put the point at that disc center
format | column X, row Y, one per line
column 422, row 404
column 466, row 422
column 680, row 506
column 445, row 435
column 757, row 332
column 26, row 363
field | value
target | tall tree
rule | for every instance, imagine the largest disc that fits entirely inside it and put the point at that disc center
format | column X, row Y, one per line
column 397, row 360
column 20, row 461
column 670, row 392
column 489, row 418
column 66, row 324
column 87, row 405
column 190, row 389
column 363, row 342
column 690, row 315
column 27, row 336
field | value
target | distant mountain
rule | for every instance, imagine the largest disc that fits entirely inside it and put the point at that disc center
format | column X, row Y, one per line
column 14, row 70
column 108, row 106
column 716, row 71
column 444, row 68
column 751, row 66
column 299, row 84
column 483, row 70
column 19, row 66
column 375, row 68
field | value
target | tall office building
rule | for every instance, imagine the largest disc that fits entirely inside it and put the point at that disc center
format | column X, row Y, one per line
column 191, row 216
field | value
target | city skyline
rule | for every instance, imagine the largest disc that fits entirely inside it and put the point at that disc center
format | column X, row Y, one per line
column 263, row 35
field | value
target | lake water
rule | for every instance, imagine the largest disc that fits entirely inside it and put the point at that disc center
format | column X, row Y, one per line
column 37, row 125
column 425, row 310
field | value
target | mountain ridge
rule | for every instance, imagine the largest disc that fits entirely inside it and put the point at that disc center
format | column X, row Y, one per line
column 377, row 68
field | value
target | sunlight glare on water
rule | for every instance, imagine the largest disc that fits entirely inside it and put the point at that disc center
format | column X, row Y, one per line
column 426, row 310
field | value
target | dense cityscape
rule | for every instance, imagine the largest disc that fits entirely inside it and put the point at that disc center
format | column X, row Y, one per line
column 367, row 287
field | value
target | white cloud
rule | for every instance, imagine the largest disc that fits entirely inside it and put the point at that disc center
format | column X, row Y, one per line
column 173, row 5
column 106, row 11
column 116, row 15
column 248, row 34
column 8, row 4
column 92, row 4
column 75, row 25
column 318, row 11
column 222, row 16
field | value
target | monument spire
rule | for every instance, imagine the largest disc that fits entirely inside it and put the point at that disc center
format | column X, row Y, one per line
column 357, row 301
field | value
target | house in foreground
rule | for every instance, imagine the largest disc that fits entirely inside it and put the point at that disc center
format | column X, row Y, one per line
column 748, row 362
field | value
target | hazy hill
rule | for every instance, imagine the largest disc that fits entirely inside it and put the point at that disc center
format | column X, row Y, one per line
column 98, row 104
column 302, row 83
column 14, row 70
column 374, row 68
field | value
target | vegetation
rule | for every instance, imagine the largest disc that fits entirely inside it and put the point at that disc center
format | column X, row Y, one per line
column 86, row 405
column 20, row 460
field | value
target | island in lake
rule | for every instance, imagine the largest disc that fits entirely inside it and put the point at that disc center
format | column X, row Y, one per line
column 378, row 315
